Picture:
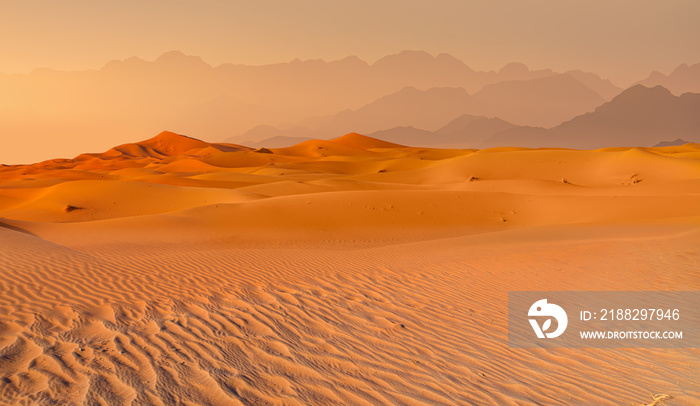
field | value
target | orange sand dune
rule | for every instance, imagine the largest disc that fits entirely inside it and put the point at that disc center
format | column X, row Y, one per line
column 351, row 272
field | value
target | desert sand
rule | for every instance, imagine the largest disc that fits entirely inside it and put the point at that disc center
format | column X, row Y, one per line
column 344, row 272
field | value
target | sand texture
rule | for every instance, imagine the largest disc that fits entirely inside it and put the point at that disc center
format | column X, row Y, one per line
column 344, row 272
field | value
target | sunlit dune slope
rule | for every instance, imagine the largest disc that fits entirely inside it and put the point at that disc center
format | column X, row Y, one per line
column 355, row 181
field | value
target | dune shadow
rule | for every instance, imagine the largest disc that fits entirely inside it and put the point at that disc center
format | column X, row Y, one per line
column 18, row 229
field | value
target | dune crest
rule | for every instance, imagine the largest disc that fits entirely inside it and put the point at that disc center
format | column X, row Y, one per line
column 362, row 141
column 171, row 144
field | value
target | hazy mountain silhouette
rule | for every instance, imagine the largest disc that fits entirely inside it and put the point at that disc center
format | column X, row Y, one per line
column 422, row 70
column 267, row 132
column 639, row 116
column 409, row 107
column 466, row 131
column 134, row 98
column 471, row 130
column 427, row 109
column 545, row 101
column 407, row 135
column 604, row 87
column 683, row 79
column 674, row 143
column 279, row 141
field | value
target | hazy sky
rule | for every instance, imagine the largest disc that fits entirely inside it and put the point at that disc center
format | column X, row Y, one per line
column 620, row 39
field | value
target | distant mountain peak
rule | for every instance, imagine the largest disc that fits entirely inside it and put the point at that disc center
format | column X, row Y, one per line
column 514, row 69
column 681, row 67
column 134, row 62
column 350, row 60
column 675, row 143
column 412, row 91
column 449, row 59
column 172, row 54
column 180, row 58
column 407, row 58
column 641, row 89
column 414, row 54
column 684, row 78
column 298, row 61
column 421, row 58
column 640, row 93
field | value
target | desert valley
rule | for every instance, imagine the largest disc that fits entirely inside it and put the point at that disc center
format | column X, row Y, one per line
column 349, row 271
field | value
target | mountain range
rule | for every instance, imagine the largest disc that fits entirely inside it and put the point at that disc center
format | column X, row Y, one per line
column 639, row 116
column 545, row 101
column 47, row 113
column 685, row 78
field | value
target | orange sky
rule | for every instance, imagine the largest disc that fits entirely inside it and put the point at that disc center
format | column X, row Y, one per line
column 622, row 39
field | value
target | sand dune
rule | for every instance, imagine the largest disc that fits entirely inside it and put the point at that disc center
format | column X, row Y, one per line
column 350, row 271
